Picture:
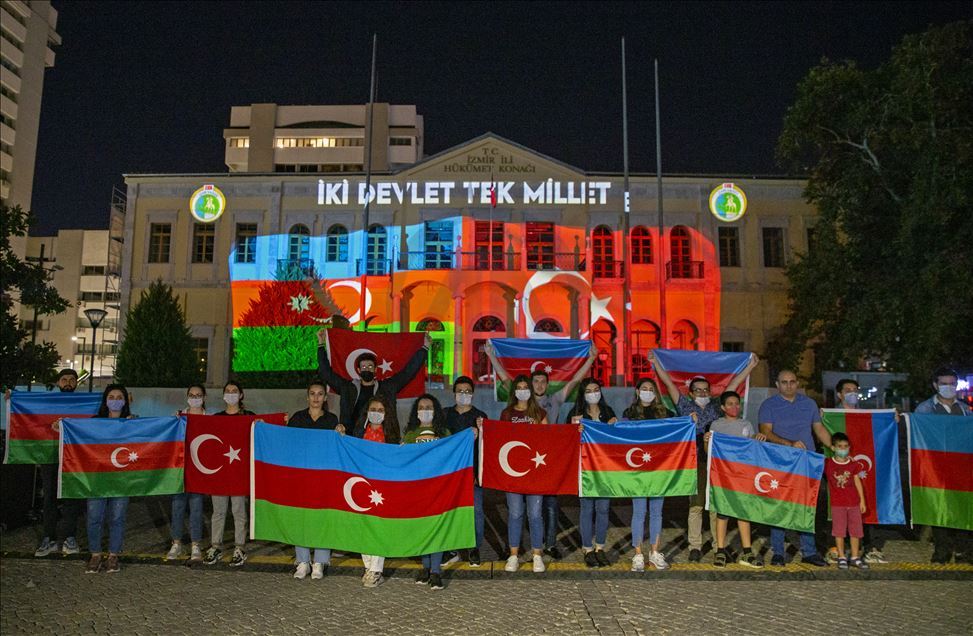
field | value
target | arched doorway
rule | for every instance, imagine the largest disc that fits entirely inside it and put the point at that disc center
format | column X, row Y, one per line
column 484, row 328
column 645, row 337
column 435, row 363
column 603, row 335
column 685, row 335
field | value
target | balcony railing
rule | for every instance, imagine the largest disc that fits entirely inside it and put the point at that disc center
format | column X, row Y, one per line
column 482, row 260
column 607, row 269
column 295, row 269
column 429, row 260
column 560, row 261
column 376, row 267
column 684, row 269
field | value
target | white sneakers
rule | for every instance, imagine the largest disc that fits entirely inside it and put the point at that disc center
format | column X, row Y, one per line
column 638, row 563
column 539, row 564
column 659, row 561
column 196, row 554
column 175, row 551
column 512, row 563
column 373, row 579
column 302, row 570
column 317, row 571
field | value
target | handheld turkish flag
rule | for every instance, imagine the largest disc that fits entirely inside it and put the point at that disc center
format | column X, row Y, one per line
column 530, row 459
column 392, row 354
column 218, row 453
column 493, row 194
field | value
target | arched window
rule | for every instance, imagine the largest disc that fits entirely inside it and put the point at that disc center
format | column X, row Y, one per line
column 645, row 337
column 298, row 242
column 377, row 250
column 430, row 324
column 641, row 246
column 435, row 363
column 548, row 325
column 337, row 244
column 685, row 335
column 680, row 253
column 603, row 253
column 490, row 324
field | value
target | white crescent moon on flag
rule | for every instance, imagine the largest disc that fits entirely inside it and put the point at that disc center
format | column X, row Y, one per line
column 756, row 481
column 628, row 457
column 350, row 362
column 194, row 453
column 534, row 366
column 505, row 461
column 356, row 285
column 539, row 279
column 864, row 458
column 347, row 493
column 114, row 456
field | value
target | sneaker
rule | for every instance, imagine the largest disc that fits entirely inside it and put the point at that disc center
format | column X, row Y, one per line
column 239, row 557
column 553, row 552
column 450, row 557
column 602, row 558
column 175, row 551
column 832, row 556
column 778, row 561
column 591, row 560
column 46, row 547
column 638, row 563
column 318, row 570
column 475, row 558
column 302, row 570
column 659, row 561
column 195, row 553
column 695, row 555
column 750, row 560
column 539, row 564
column 423, row 578
column 436, row 582
column 374, row 579
column 719, row 560
column 213, row 556
column 875, row 556
column 941, row 558
column 70, row 546
column 842, row 563
column 513, row 563
column 815, row 560
column 94, row 564
column 112, row 565
column 860, row 564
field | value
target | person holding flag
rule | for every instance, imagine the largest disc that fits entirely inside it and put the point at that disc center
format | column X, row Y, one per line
column 459, row 417
column 700, row 406
column 196, row 402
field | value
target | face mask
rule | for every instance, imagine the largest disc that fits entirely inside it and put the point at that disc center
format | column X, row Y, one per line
column 374, row 417
column 194, row 403
column 522, row 394
column 851, row 399
column 464, row 399
column 115, row 406
column 841, row 452
column 367, row 376
column 593, row 398
column 732, row 411
column 426, row 415
column 231, row 398
column 947, row 391
column 67, row 389
column 647, row 396
column 702, row 401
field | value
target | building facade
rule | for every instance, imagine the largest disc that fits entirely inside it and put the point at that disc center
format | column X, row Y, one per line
column 483, row 240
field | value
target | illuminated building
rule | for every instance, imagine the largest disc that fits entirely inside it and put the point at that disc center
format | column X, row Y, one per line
column 545, row 262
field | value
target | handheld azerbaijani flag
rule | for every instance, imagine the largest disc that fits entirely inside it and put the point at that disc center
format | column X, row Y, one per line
column 941, row 470
column 718, row 367
column 30, row 437
column 560, row 358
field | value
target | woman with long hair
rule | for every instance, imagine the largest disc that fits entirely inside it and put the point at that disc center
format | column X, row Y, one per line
column 195, row 405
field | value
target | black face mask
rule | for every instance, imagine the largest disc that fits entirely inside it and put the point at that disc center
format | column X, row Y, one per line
column 367, row 376
column 67, row 389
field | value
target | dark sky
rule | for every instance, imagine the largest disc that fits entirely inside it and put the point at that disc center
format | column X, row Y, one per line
column 147, row 87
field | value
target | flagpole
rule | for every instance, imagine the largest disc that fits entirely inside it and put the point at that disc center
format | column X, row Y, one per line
column 663, row 328
column 626, row 269
column 368, row 186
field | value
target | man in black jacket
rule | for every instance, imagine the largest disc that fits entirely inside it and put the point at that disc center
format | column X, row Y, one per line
column 356, row 393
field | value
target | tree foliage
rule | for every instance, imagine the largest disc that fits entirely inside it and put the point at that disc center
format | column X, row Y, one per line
column 157, row 347
column 888, row 154
column 30, row 284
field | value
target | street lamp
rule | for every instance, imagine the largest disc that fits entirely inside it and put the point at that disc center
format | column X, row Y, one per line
column 83, row 341
column 95, row 316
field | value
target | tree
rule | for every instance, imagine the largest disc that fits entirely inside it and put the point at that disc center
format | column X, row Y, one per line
column 888, row 152
column 30, row 283
column 157, row 348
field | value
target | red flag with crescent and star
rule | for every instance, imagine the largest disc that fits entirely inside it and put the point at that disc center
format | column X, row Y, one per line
column 530, row 459
column 218, row 452
column 392, row 352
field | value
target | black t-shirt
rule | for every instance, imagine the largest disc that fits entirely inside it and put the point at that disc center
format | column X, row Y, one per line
column 456, row 421
column 302, row 419
column 242, row 412
column 365, row 393
column 603, row 416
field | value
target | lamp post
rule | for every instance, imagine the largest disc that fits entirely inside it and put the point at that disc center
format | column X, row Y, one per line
column 83, row 341
column 95, row 316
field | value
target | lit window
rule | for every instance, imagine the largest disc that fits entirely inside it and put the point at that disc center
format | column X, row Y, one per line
column 239, row 142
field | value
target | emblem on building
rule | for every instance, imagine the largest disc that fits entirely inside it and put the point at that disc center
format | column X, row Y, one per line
column 207, row 204
column 727, row 202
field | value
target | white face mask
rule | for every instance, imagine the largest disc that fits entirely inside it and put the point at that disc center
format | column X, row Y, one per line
column 647, row 396
column 464, row 399
column 426, row 415
column 702, row 401
column 947, row 391
column 375, row 417
column 851, row 399
column 592, row 398
column 522, row 394
column 194, row 402
column 231, row 398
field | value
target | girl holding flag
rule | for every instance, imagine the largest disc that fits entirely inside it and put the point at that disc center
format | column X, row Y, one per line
column 196, row 402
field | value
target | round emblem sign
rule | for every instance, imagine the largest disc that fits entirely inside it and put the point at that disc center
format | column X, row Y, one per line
column 207, row 204
column 727, row 202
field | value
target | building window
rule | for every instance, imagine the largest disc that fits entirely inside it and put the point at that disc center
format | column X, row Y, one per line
column 548, row 325
column 337, row 244
column 160, row 239
column 93, row 270
column 318, row 142
column 246, row 243
column 729, row 238
column 400, row 141
column 540, row 245
column 733, row 346
column 645, row 337
column 204, row 235
column 439, row 245
column 685, row 336
column 490, row 324
column 773, row 246
column 641, row 246
column 239, row 142
column 201, row 353
column 488, row 245
column 377, row 250
column 89, row 296
column 603, row 253
column 298, row 242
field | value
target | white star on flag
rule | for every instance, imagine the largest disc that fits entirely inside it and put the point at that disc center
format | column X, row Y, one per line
column 774, row 484
column 548, row 368
column 133, row 456
column 646, row 458
column 539, row 460
column 376, row 498
column 233, row 455
column 300, row 303
column 386, row 366
column 599, row 309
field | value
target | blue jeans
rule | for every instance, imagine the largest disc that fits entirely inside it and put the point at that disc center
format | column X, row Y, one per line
column 321, row 555
column 550, row 520
column 195, row 516
column 515, row 520
column 478, row 514
column 596, row 507
column 638, row 520
column 807, row 542
column 433, row 562
column 116, row 507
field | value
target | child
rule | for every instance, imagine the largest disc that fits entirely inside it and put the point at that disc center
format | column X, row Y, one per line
column 847, row 500
column 731, row 424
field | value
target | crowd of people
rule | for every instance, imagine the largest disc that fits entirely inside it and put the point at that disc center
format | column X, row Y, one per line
column 368, row 411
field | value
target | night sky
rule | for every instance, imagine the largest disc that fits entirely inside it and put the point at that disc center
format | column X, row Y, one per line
column 147, row 87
